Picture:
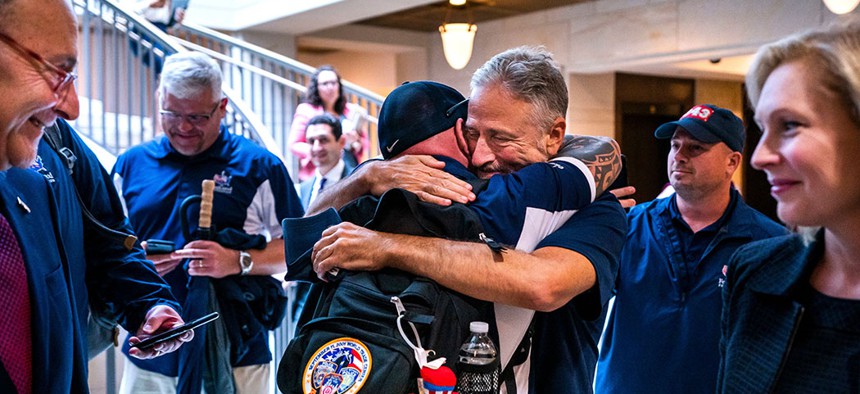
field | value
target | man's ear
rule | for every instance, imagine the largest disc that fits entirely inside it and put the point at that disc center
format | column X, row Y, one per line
column 735, row 160
column 555, row 136
column 341, row 142
column 462, row 144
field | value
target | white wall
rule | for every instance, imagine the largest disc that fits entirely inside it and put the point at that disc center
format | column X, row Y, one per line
column 591, row 110
column 374, row 71
column 283, row 44
column 591, row 41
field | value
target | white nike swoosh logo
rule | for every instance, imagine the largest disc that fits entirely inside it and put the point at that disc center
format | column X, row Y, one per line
column 391, row 147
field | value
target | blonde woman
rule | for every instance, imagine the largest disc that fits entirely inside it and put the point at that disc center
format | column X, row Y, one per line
column 791, row 316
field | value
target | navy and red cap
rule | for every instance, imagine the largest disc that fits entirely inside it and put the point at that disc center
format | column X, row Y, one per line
column 709, row 124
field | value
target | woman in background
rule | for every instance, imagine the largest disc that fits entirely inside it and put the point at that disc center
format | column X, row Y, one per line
column 325, row 95
column 791, row 311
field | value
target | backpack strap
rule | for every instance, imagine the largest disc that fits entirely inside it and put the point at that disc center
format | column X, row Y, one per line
column 521, row 354
column 55, row 141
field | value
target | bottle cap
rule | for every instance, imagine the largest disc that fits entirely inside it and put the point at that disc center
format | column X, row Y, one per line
column 479, row 327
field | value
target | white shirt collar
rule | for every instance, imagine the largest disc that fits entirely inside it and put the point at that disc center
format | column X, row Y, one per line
column 333, row 175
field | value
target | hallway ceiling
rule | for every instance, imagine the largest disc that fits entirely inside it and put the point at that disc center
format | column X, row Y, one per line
column 427, row 18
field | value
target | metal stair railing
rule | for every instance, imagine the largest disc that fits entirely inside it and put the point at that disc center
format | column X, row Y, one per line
column 120, row 56
column 272, row 84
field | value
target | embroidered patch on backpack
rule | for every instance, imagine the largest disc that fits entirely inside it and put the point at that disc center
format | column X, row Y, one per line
column 339, row 367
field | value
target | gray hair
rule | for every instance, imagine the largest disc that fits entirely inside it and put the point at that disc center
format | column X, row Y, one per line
column 187, row 74
column 835, row 51
column 529, row 74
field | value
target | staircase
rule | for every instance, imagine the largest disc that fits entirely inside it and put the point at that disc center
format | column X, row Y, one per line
column 118, row 55
column 117, row 81
column 271, row 84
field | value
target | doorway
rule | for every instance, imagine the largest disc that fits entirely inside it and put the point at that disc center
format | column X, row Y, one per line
column 643, row 103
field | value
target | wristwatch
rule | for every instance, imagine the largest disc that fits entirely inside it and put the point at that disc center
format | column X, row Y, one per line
column 245, row 262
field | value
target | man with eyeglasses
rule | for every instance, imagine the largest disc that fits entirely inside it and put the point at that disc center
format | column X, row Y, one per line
column 253, row 194
column 45, row 284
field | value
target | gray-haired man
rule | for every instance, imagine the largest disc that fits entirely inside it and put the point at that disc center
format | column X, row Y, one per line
column 253, row 193
column 515, row 118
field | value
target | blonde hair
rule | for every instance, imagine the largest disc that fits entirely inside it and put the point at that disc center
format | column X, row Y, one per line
column 835, row 51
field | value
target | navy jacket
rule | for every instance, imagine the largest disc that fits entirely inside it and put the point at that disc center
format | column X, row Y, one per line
column 59, row 362
column 761, row 315
column 120, row 283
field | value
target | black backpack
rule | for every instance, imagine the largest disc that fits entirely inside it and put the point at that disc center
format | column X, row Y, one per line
column 351, row 333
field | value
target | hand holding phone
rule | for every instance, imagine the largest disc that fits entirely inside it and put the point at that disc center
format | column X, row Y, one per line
column 174, row 332
column 158, row 246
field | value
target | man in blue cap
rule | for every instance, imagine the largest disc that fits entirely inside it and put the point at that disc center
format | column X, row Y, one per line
column 664, row 330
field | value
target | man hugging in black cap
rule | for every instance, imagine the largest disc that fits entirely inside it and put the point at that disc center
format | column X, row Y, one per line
column 520, row 209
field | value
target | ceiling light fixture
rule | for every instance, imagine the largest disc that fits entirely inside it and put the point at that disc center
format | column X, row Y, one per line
column 841, row 6
column 457, row 38
column 457, row 3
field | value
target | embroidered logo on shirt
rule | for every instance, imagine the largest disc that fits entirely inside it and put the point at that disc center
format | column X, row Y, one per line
column 341, row 366
column 722, row 281
column 222, row 182
column 39, row 167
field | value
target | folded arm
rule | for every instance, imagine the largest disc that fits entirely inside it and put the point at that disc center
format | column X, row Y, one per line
column 544, row 280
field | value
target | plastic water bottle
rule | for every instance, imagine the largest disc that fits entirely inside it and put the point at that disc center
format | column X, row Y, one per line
column 478, row 364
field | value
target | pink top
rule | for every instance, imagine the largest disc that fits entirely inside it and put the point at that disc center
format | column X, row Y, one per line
column 352, row 119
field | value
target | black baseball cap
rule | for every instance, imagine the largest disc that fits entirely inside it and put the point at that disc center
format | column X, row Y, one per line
column 416, row 111
column 710, row 124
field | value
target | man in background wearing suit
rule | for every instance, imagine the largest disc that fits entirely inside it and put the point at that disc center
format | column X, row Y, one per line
column 323, row 133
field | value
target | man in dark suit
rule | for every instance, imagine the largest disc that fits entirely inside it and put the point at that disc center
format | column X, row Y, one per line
column 40, row 336
column 323, row 133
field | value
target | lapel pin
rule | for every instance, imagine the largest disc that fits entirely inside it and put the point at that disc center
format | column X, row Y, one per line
column 23, row 205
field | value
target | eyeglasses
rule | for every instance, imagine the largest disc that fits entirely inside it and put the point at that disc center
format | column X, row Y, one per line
column 194, row 119
column 328, row 83
column 60, row 78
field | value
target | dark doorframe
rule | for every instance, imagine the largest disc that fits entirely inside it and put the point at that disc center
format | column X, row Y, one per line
column 642, row 104
column 756, row 190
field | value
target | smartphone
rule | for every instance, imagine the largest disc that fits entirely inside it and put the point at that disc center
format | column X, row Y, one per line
column 159, row 246
column 175, row 332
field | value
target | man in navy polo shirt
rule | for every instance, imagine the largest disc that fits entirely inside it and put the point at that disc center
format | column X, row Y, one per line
column 664, row 330
column 253, row 193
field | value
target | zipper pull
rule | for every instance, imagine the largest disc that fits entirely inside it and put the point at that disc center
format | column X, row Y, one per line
column 398, row 305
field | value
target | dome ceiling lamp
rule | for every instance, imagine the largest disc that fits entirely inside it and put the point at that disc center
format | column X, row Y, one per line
column 841, row 6
column 458, row 37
